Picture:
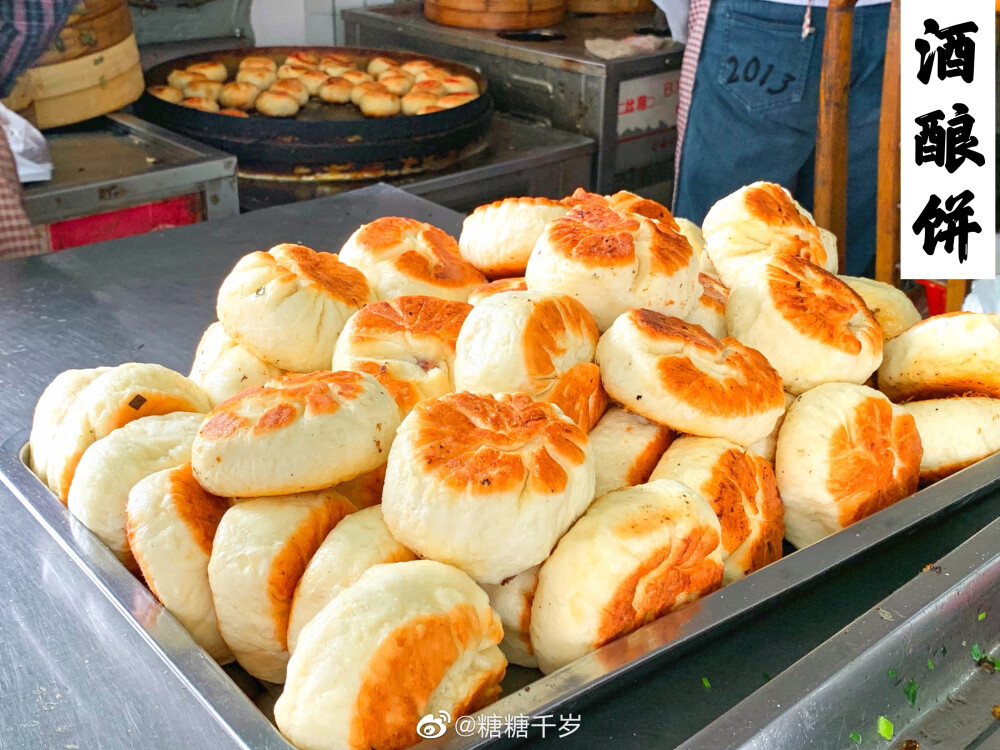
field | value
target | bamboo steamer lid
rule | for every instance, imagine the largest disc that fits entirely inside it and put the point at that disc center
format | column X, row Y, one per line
column 495, row 14
column 609, row 7
column 93, row 26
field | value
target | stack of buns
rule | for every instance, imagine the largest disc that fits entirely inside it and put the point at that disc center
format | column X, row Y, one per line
column 385, row 477
column 379, row 87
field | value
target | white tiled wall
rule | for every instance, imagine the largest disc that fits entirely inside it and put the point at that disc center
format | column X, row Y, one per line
column 303, row 21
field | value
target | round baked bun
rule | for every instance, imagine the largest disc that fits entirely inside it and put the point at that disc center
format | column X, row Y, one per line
column 415, row 66
column 213, row 70
column 484, row 291
column 287, row 71
column 675, row 374
column 273, row 103
column 760, row 222
column 956, row 354
column 407, row 344
column 112, row 400
column 460, row 85
column 404, row 256
column 261, row 549
column 498, row 238
column 741, row 489
column 414, row 101
column 336, row 65
column 429, row 86
column 379, row 65
column 204, row 89
column 179, row 79
column 626, row 448
column 200, row 103
column 312, row 80
column 710, row 310
column 450, row 101
column 335, row 91
column 262, row 78
column 511, row 600
column 357, row 543
column 407, row 640
column 636, row 554
column 238, row 95
column 534, row 343
column 399, row 85
column 381, row 103
column 288, row 305
column 113, row 465
column 954, row 433
column 166, row 93
column 767, row 446
column 625, row 202
column 363, row 88
column 303, row 58
column 258, row 62
column 433, row 73
column 293, row 87
column 223, row 368
column 170, row 524
column 468, row 474
column 844, row 452
column 611, row 262
column 890, row 306
column 810, row 325
column 50, row 411
column 295, row 433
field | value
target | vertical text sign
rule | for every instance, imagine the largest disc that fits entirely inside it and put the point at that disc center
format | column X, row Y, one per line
column 948, row 91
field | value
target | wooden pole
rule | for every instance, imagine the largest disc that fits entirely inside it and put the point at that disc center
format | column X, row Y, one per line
column 830, row 196
column 887, row 240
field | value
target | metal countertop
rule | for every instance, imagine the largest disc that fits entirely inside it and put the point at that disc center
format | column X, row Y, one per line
column 75, row 674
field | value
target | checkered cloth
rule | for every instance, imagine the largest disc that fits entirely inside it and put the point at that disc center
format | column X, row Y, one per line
column 17, row 237
column 697, row 18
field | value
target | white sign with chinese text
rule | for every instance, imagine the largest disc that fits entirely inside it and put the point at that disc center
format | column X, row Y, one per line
column 948, row 91
column 649, row 103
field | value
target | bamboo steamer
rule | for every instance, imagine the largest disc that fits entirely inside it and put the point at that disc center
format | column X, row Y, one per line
column 86, row 87
column 495, row 14
column 609, row 7
column 93, row 26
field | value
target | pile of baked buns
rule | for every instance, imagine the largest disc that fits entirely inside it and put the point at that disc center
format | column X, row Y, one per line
column 378, row 87
column 394, row 470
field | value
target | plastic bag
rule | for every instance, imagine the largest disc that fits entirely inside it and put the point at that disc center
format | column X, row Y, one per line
column 985, row 293
column 31, row 154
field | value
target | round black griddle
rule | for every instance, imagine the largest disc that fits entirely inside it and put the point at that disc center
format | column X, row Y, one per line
column 324, row 138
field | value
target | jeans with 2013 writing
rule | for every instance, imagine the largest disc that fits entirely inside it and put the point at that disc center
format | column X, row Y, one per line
column 754, row 108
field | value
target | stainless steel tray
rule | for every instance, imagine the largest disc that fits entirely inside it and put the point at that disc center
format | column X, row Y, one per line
column 653, row 645
column 926, row 633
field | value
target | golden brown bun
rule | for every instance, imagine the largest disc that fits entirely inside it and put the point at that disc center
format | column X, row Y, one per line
column 356, row 76
column 293, row 87
column 363, row 88
column 166, row 93
column 179, row 79
column 430, row 87
column 291, row 71
column 336, row 91
column 629, row 203
column 415, row 66
column 627, row 448
column 262, row 78
column 238, row 95
column 380, row 64
column 460, row 84
column 213, row 71
column 203, row 89
column 416, row 101
column 276, row 104
column 450, row 101
column 891, row 307
column 303, row 58
column 390, row 72
column 313, row 80
column 259, row 62
column 399, row 85
column 379, row 104
column 955, row 433
column 432, row 73
column 484, row 291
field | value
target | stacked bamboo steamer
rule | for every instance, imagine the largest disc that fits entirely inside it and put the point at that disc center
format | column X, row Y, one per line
column 609, row 6
column 495, row 14
column 92, row 68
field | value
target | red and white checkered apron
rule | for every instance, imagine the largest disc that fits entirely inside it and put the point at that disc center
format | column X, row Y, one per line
column 697, row 18
column 17, row 237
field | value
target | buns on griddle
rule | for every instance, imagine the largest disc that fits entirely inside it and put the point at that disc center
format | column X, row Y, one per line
column 627, row 448
column 511, row 601
column 469, row 473
column 262, row 78
column 955, row 354
column 534, row 343
column 363, row 88
column 238, row 95
column 313, row 80
column 111, row 466
column 288, row 70
column 415, row 66
column 740, row 487
column 336, row 91
column 166, row 93
column 379, row 65
column 844, row 452
column 430, row 86
column 403, row 256
column 890, row 306
column 204, row 89
column 201, row 104
column 415, row 101
column 810, row 325
column 288, row 305
column 357, row 543
column 450, row 101
column 303, row 58
column 399, row 85
column 261, row 548
column 636, row 554
column 170, row 524
column 112, row 400
column 498, row 238
column 294, row 434
column 223, row 368
column 179, row 79
column 612, row 262
column 379, row 103
column 274, row 103
column 460, row 84
column 407, row 639
column 484, row 291
column 955, row 433
column 407, row 344
column 356, row 76
column 675, row 374
column 293, row 87
column 213, row 71
column 258, row 61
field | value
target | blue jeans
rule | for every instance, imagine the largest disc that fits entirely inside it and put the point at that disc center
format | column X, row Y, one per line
column 754, row 108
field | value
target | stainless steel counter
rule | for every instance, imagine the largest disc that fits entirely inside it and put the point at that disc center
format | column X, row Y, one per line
column 74, row 673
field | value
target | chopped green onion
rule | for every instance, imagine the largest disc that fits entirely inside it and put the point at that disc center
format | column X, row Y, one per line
column 996, row 663
column 706, row 683
column 893, row 673
column 930, row 665
column 977, row 653
column 982, row 616
column 911, row 692
column 855, row 737
column 885, row 728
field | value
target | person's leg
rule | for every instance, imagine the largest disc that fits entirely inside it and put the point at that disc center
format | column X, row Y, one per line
column 753, row 109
